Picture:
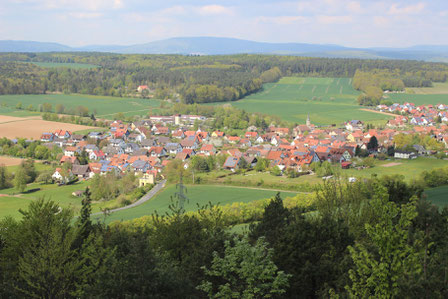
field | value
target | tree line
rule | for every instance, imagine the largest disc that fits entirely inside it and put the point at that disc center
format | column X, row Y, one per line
column 375, row 81
column 195, row 79
column 376, row 238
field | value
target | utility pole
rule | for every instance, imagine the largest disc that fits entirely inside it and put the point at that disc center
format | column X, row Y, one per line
column 181, row 194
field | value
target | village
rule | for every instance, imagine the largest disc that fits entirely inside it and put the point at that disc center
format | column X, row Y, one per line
column 146, row 147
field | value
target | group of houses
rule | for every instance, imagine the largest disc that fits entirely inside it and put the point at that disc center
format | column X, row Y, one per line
column 147, row 146
column 411, row 114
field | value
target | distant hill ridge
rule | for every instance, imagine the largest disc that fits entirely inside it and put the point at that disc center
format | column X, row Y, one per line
column 223, row 45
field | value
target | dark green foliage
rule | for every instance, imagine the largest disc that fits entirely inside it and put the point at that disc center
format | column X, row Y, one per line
column 399, row 191
column 275, row 218
column 373, row 144
column 314, row 251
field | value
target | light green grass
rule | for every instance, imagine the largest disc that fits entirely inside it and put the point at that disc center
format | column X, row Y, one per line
column 438, row 88
column 438, row 196
column 67, row 65
column 102, row 106
column 259, row 180
column 410, row 169
column 87, row 131
column 10, row 204
column 326, row 100
column 11, row 111
column 198, row 195
column 418, row 99
column 37, row 165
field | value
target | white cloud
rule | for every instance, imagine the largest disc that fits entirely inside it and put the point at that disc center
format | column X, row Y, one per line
column 215, row 10
column 85, row 15
column 174, row 10
column 395, row 9
column 334, row 19
column 81, row 5
column 283, row 20
column 354, row 7
column 381, row 21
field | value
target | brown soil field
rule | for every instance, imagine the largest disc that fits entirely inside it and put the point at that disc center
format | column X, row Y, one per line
column 9, row 161
column 33, row 127
column 391, row 164
column 379, row 112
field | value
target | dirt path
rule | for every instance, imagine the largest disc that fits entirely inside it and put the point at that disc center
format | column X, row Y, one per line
column 141, row 201
column 379, row 112
column 391, row 164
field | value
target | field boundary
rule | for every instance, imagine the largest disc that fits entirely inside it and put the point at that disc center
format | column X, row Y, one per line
column 379, row 112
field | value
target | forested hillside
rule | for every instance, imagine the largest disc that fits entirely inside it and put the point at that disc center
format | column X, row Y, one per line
column 194, row 79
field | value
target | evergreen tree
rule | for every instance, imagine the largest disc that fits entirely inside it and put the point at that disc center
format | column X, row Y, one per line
column 373, row 144
column 275, row 219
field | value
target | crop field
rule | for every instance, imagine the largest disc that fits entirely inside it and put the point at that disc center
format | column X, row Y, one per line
column 410, row 169
column 438, row 94
column 326, row 100
column 67, row 65
column 10, row 161
column 32, row 127
column 198, row 195
column 438, row 88
column 438, row 196
column 101, row 106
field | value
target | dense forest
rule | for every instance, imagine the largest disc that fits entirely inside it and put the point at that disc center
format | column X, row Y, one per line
column 372, row 239
column 198, row 79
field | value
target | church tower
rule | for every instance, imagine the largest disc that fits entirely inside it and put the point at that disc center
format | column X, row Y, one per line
column 308, row 122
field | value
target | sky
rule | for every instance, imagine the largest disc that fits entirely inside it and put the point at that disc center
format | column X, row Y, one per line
column 353, row 23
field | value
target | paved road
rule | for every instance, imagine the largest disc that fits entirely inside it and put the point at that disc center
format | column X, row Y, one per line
column 141, row 201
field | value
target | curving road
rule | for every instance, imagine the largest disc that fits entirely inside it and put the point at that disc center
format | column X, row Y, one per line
column 141, row 201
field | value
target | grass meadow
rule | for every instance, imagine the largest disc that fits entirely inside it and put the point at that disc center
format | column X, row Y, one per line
column 326, row 100
column 198, row 195
column 410, row 169
column 11, row 201
column 438, row 196
column 101, row 106
column 438, row 94
column 438, row 88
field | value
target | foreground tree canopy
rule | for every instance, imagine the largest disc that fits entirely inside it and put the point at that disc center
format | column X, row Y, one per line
column 355, row 240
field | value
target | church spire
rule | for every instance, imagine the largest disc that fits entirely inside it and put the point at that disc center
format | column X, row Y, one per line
column 308, row 122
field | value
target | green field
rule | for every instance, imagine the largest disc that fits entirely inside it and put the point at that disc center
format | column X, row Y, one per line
column 11, row 201
column 11, row 111
column 197, row 194
column 326, row 100
column 410, row 169
column 418, row 99
column 438, row 94
column 437, row 88
column 438, row 196
column 67, row 65
column 102, row 106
